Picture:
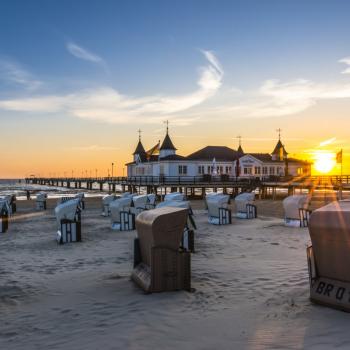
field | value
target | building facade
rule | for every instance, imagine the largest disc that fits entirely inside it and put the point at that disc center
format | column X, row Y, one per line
column 163, row 160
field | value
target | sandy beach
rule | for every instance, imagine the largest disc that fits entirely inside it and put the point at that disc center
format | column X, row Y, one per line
column 250, row 285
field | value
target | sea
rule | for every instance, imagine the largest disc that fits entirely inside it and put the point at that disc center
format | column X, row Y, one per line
column 19, row 187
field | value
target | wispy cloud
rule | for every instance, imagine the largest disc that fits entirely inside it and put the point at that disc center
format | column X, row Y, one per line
column 82, row 53
column 14, row 73
column 327, row 142
column 108, row 105
column 346, row 60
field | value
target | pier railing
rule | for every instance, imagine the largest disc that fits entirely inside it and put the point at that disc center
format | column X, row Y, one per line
column 203, row 180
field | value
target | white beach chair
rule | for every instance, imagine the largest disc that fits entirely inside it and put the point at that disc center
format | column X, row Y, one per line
column 11, row 202
column 121, row 217
column 69, row 220
column 106, row 201
column 218, row 212
column 81, row 197
column 329, row 255
column 296, row 210
column 139, row 204
column 4, row 215
column 188, row 236
column 40, row 201
column 174, row 196
column 151, row 204
column 245, row 209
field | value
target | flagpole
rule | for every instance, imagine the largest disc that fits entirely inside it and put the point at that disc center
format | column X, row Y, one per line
column 341, row 175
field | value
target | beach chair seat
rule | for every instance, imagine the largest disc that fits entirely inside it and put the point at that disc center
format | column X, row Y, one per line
column 4, row 216
column 68, row 216
column 159, row 262
column 245, row 209
column 329, row 255
column 293, row 215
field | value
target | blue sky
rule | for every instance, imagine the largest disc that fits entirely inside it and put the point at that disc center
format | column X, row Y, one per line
column 106, row 68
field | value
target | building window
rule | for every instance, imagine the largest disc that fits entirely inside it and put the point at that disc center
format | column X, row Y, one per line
column 272, row 170
column 201, row 169
column 264, row 170
column 220, row 170
column 300, row 171
column 182, row 169
column 257, row 170
column 247, row 171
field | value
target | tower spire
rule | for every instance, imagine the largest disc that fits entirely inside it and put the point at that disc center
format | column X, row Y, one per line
column 279, row 133
column 167, row 126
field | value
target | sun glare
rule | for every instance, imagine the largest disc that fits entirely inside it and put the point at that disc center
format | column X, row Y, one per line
column 324, row 162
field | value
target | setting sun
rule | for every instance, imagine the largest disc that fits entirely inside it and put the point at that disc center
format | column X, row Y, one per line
column 324, row 162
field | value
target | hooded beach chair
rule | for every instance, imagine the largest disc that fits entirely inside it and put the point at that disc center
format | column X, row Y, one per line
column 4, row 215
column 188, row 236
column 139, row 204
column 245, row 209
column 174, row 196
column 151, row 203
column 68, row 216
column 81, row 197
column 11, row 202
column 159, row 262
column 296, row 210
column 40, row 201
column 106, row 201
column 218, row 212
column 121, row 217
column 329, row 255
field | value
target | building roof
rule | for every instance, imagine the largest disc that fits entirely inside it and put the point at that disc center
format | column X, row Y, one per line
column 277, row 148
column 266, row 157
column 173, row 157
column 220, row 153
column 139, row 149
column 240, row 150
column 167, row 143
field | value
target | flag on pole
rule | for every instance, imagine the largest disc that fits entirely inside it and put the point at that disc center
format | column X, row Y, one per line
column 340, row 157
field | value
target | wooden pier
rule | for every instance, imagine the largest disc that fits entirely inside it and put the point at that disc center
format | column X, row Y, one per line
column 196, row 187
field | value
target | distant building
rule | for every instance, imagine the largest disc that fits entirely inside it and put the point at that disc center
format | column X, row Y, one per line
column 162, row 160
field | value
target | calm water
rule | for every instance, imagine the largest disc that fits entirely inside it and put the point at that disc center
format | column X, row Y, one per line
column 19, row 188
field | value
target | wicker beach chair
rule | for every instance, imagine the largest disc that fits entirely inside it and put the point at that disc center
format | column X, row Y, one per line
column 40, row 201
column 218, row 212
column 329, row 255
column 245, row 209
column 296, row 210
column 68, row 216
column 121, row 217
column 159, row 263
column 188, row 236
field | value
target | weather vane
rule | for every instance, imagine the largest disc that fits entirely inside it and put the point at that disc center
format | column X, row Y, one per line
column 139, row 131
column 239, row 137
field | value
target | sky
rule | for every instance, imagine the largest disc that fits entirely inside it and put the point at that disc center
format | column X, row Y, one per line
column 78, row 79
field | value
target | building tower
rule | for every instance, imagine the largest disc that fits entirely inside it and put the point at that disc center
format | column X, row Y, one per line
column 279, row 152
column 140, row 153
column 167, row 148
column 240, row 149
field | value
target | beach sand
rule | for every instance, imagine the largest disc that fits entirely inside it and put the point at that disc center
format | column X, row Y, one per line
column 250, row 285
